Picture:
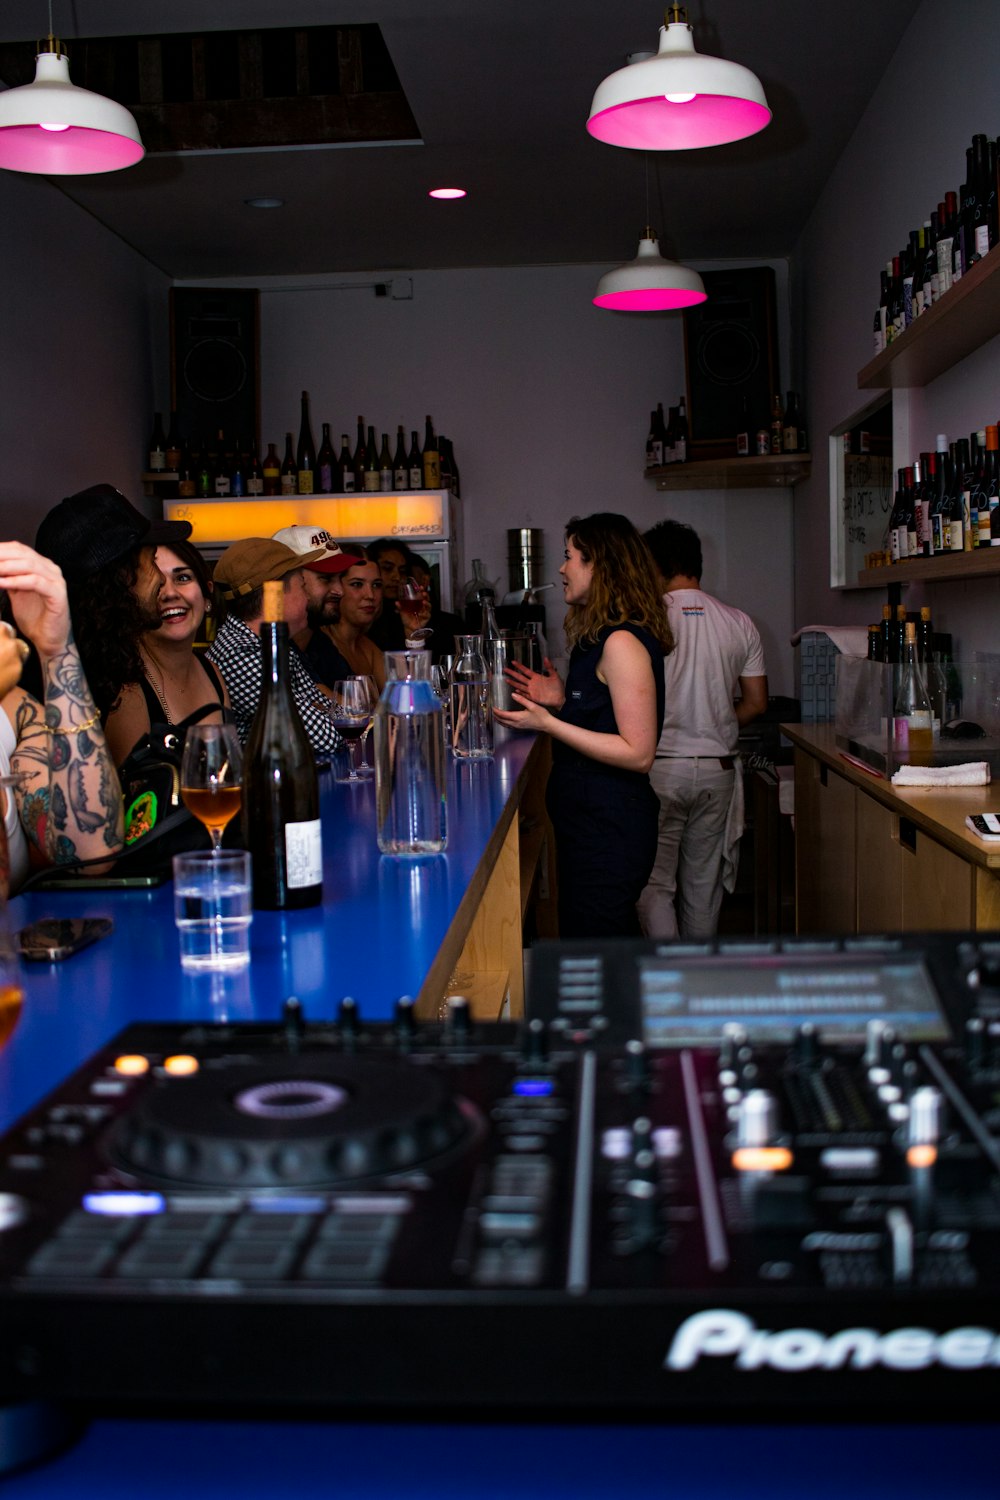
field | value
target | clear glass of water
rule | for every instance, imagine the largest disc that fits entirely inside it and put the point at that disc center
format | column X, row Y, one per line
column 213, row 909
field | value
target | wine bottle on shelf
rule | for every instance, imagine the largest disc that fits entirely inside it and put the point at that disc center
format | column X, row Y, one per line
column 444, row 448
column 360, row 456
column 980, row 198
column 896, row 518
column 305, row 457
column 777, row 423
column 906, row 268
column 921, row 507
column 272, row 471
column 670, row 436
column 431, row 458
column 925, row 635
column 346, row 465
column 743, row 429
column 172, row 450
column 289, row 469
column 237, row 473
column 899, row 631
column 874, row 643
column 878, row 323
column 255, row 474
column 932, row 288
column 957, row 498
column 327, row 479
column 204, row 478
column 654, row 448
column 400, row 467
column 385, row 465
column 920, row 255
column 790, row 425
column 983, row 505
column 946, row 237
column 223, row 466
column 681, row 432
column 914, row 718
column 157, row 451
column 912, row 549
column 371, row 480
column 992, row 482
column 281, row 796
column 187, row 475
column 886, row 633
column 416, row 463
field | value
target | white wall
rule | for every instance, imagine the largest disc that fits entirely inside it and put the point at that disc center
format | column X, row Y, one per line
column 547, row 400
column 907, row 151
column 83, row 349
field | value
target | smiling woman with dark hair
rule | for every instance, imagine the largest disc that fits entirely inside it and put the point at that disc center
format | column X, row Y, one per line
column 604, row 725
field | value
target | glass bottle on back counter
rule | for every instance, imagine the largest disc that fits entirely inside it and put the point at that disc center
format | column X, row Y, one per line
column 305, row 457
column 289, row 469
column 172, row 451
column 327, row 478
column 777, row 423
column 156, row 456
column 416, row 464
column 360, row 456
column 281, row 795
column 790, row 425
column 914, row 718
column 272, row 471
column 681, row 433
column 400, row 467
column 431, row 458
column 346, row 465
column 255, row 474
column 991, row 478
column 385, row 465
column 371, row 479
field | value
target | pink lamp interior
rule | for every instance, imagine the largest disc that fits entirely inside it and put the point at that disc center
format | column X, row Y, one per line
column 650, row 299
column 657, row 125
column 31, row 148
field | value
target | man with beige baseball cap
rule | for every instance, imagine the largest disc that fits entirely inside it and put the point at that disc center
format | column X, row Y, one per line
column 240, row 575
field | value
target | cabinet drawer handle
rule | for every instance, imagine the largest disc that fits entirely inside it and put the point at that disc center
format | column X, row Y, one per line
column 908, row 835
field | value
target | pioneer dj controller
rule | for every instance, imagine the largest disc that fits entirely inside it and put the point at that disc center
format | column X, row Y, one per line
column 742, row 1178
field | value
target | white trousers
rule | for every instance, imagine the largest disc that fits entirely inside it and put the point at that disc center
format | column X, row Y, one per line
column 695, row 797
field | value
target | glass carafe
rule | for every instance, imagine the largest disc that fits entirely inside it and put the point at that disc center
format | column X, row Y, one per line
column 411, row 814
column 471, row 709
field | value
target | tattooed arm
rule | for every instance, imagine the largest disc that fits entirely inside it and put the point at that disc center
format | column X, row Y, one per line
column 70, row 802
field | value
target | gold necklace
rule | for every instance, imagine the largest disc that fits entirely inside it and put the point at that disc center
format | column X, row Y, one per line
column 159, row 691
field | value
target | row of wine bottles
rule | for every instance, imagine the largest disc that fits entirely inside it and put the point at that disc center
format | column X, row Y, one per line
column 224, row 466
column 948, row 501
column 667, row 442
column 783, row 432
column 960, row 231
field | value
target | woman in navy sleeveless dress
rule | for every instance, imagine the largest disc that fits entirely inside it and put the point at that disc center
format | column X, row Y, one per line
column 604, row 723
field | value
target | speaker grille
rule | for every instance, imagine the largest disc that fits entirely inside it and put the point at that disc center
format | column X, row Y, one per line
column 731, row 349
column 214, row 362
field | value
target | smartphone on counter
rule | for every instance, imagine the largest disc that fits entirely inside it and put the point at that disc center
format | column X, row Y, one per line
column 985, row 826
column 56, row 938
column 57, row 882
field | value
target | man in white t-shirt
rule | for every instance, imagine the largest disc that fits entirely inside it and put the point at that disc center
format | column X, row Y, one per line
column 696, row 774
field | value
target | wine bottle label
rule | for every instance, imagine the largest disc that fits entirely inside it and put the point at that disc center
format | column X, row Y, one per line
column 956, row 540
column 763, row 442
column 304, row 854
column 400, row 478
column 305, row 479
column 288, row 482
column 982, row 239
column 416, row 479
column 173, row 457
column 157, row 460
column 743, row 445
column 222, row 484
column 349, row 480
column 185, row 488
column 255, row 484
column 372, row 481
column 680, row 451
column 790, row 439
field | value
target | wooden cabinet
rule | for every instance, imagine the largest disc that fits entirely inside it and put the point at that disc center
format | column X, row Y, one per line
column 869, row 858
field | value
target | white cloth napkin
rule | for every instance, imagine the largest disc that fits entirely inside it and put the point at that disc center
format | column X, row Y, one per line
column 850, row 640
column 975, row 773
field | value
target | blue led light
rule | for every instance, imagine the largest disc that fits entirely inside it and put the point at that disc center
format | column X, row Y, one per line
column 288, row 1204
column 124, row 1203
column 533, row 1088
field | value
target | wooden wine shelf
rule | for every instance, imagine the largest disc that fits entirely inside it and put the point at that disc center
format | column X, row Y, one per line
column 967, row 316
column 779, row 472
column 948, row 568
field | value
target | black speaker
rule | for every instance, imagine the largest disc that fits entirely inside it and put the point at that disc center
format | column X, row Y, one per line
column 215, row 362
column 731, row 352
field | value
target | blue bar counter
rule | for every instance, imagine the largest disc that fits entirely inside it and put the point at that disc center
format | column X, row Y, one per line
column 389, row 927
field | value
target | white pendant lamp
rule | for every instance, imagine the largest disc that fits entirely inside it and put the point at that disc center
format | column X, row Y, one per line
column 52, row 127
column 677, row 100
column 649, row 283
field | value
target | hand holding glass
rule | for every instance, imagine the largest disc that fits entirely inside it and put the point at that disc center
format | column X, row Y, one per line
column 212, row 777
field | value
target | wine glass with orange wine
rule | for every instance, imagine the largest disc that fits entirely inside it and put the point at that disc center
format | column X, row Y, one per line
column 212, row 777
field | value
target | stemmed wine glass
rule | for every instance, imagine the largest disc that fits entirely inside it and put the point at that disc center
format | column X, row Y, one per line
column 364, row 769
column 350, row 711
column 212, row 777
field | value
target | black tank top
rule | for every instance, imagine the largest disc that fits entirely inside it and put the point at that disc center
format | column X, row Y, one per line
column 588, row 699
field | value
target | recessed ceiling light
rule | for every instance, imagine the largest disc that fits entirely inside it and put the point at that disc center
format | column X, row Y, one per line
column 264, row 202
column 446, row 193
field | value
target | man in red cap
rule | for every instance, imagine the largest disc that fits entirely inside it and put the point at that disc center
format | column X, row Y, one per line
column 324, row 590
column 240, row 575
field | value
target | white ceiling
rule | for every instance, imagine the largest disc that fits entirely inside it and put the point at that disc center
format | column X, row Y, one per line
column 500, row 90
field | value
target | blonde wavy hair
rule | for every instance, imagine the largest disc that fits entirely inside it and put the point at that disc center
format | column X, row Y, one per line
column 624, row 587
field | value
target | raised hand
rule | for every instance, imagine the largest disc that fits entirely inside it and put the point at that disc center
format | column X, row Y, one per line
column 540, row 687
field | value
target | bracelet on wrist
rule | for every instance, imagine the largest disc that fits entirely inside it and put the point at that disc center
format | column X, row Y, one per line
column 72, row 728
